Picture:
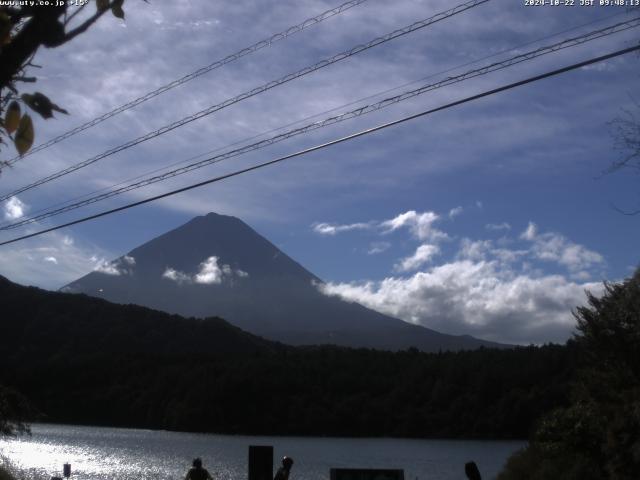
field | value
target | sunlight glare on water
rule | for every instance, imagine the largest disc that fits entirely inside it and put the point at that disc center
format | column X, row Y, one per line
column 97, row 453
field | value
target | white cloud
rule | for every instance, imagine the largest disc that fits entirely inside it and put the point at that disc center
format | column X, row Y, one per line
column 487, row 289
column 210, row 272
column 476, row 297
column 419, row 224
column 475, row 250
column 530, row 233
column 50, row 259
column 26, row 262
column 119, row 266
column 108, row 268
column 378, row 247
column 498, row 226
column 176, row 276
column 554, row 247
column 423, row 254
column 14, row 209
column 454, row 212
column 333, row 229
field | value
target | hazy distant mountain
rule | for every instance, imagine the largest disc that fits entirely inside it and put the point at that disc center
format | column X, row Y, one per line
column 217, row 265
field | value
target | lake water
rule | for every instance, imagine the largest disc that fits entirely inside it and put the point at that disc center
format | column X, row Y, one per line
column 128, row 454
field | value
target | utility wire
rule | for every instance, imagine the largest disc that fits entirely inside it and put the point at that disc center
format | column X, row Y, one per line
column 316, row 115
column 267, row 86
column 333, row 142
column 336, row 119
column 195, row 74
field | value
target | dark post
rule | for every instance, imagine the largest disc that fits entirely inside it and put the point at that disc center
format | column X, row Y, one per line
column 66, row 470
column 260, row 462
column 471, row 470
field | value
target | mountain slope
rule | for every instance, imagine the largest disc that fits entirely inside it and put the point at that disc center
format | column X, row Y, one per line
column 51, row 322
column 216, row 265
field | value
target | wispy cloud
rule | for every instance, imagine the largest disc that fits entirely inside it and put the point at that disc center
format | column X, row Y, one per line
column 378, row 247
column 498, row 226
column 454, row 212
column 32, row 262
column 554, row 247
column 333, row 229
column 121, row 266
column 419, row 224
column 423, row 254
column 176, row 276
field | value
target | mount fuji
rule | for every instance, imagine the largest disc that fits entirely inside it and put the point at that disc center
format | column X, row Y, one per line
column 216, row 265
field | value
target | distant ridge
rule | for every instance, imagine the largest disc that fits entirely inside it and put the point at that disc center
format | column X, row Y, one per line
column 92, row 324
column 216, row 265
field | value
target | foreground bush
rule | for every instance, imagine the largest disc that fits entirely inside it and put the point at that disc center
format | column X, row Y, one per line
column 598, row 435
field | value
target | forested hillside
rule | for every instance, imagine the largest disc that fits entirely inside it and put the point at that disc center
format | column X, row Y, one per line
column 84, row 360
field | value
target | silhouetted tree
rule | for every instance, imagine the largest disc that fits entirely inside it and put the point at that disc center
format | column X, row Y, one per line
column 598, row 435
column 15, row 411
column 23, row 30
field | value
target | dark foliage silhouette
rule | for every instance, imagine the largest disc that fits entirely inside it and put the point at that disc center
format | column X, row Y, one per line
column 597, row 436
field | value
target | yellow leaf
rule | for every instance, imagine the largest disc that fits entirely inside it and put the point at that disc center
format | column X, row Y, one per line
column 12, row 117
column 24, row 136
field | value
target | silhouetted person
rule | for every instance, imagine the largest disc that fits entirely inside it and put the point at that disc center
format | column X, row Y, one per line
column 471, row 470
column 285, row 469
column 197, row 472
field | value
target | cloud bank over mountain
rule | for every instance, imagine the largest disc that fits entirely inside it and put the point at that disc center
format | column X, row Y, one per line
column 495, row 288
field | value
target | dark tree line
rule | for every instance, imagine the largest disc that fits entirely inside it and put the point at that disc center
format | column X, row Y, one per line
column 83, row 360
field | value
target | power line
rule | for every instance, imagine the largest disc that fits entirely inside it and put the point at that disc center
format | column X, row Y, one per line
column 333, row 142
column 195, row 74
column 268, row 86
column 571, row 42
column 316, row 115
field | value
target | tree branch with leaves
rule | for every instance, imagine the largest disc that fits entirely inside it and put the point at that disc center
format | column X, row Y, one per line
column 24, row 30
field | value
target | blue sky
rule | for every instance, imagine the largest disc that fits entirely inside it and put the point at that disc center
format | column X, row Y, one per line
column 490, row 218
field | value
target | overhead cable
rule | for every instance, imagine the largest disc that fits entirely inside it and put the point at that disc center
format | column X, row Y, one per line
column 331, row 143
column 610, row 30
column 268, row 86
column 195, row 74
column 318, row 114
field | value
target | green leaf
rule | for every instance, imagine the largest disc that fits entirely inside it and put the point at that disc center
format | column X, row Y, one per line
column 12, row 117
column 25, row 135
